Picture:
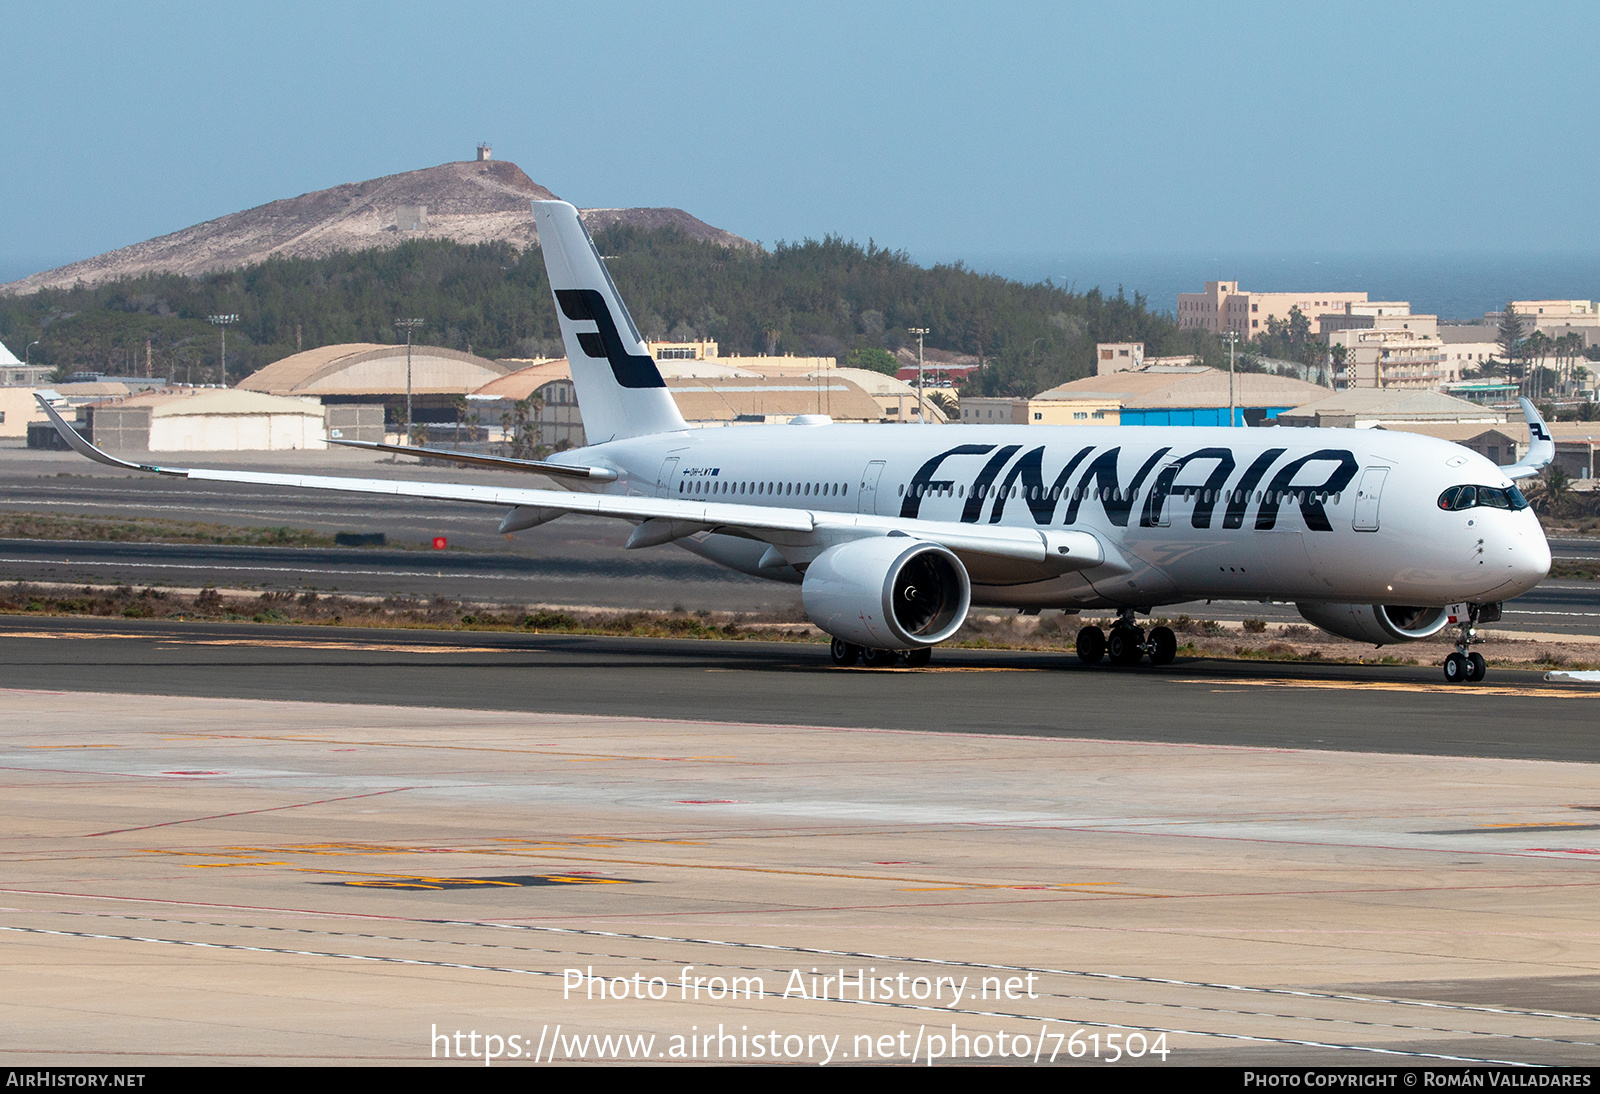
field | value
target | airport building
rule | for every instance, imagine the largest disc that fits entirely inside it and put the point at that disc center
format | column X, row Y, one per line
column 1374, row 408
column 14, row 373
column 1157, row 395
column 373, row 376
column 205, row 420
column 710, row 391
column 1223, row 306
column 1393, row 356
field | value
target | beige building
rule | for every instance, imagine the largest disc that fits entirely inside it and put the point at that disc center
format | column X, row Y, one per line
column 1545, row 314
column 1376, row 315
column 1040, row 411
column 1377, row 408
column 17, row 409
column 367, row 369
column 206, row 420
column 1223, row 306
column 1382, row 357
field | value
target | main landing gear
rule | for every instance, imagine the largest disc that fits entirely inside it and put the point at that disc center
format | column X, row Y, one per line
column 1464, row 666
column 846, row 654
column 1127, row 643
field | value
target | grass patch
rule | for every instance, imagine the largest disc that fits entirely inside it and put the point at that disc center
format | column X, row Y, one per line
column 151, row 530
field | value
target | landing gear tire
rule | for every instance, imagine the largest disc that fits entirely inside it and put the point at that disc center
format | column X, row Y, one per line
column 1091, row 645
column 1125, row 646
column 845, row 653
column 877, row 659
column 916, row 659
column 1163, row 646
column 1464, row 665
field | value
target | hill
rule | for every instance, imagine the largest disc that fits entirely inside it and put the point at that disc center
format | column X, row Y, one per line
column 824, row 298
column 474, row 201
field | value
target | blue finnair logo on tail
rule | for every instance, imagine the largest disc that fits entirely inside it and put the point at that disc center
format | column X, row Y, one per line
column 605, row 343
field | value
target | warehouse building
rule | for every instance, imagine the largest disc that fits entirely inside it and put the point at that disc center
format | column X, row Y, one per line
column 374, row 376
column 206, row 420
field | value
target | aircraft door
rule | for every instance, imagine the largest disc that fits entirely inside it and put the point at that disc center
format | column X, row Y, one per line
column 669, row 471
column 1161, row 494
column 1368, row 494
column 867, row 492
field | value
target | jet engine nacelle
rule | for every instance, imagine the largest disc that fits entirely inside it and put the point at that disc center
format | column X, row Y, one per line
column 889, row 593
column 1379, row 624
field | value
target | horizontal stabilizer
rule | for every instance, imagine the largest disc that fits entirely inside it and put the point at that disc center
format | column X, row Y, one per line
column 541, row 467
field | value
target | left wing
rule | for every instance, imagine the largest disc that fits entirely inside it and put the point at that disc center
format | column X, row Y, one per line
column 799, row 534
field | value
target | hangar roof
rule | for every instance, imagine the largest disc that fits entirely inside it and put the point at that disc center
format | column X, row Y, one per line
column 1393, row 404
column 1188, row 387
column 216, row 401
column 365, row 368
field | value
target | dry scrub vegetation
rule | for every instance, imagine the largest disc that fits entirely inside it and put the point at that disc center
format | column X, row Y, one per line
column 1253, row 639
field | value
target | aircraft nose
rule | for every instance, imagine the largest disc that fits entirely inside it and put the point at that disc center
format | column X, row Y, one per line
column 1530, row 558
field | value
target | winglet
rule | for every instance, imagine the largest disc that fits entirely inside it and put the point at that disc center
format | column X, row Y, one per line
column 1541, row 446
column 84, row 448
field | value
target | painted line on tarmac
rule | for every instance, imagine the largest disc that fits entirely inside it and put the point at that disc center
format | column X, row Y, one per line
column 473, row 576
column 274, row 643
column 1421, row 689
column 313, row 644
column 246, row 812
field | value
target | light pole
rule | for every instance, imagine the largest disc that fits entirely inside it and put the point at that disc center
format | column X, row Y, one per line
column 27, row 354
column 1233, row 338
column 221, row 322
column 922, row 407
column 410, row 325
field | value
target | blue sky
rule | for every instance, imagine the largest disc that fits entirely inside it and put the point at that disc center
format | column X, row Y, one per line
column 947, row 129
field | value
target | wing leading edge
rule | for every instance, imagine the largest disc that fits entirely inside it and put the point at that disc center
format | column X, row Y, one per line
column 800, row 534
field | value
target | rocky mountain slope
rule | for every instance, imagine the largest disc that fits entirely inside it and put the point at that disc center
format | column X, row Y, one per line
column 474, row 201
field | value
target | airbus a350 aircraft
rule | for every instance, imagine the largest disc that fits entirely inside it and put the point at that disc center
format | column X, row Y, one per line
column 894, row 532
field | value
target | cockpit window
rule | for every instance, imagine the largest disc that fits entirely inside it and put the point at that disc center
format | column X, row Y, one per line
column 1495, row 497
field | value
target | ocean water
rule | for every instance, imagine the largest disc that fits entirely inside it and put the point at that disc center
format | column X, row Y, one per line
column 1451, row 286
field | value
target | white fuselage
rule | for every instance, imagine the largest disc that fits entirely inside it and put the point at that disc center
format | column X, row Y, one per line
column 1339, row 515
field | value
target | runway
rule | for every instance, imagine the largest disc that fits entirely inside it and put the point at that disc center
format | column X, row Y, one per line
column 1381, row 709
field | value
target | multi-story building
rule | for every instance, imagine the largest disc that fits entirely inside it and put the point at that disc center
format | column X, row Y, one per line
column 1544, row 314
column 1393, row 357
column 1223, row 306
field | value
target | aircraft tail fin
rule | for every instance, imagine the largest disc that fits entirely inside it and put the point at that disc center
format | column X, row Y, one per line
column 1541, row 446
column 620, row 389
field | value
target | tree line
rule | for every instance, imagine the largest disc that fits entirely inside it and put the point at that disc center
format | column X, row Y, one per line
column 826, row 297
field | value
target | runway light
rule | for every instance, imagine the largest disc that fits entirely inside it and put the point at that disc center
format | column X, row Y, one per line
column 439, row 543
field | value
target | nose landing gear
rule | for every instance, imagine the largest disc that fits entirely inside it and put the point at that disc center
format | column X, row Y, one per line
column 1127, row 644
column 1464, row 666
